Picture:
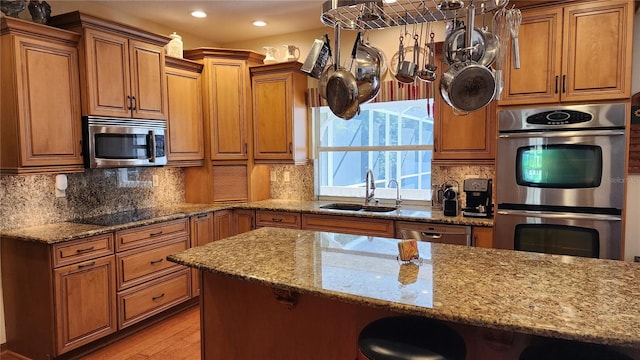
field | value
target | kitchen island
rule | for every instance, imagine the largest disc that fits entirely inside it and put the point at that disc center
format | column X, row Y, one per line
column 290, row 294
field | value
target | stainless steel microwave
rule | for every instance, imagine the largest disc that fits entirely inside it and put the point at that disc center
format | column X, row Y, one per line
column 123, row 142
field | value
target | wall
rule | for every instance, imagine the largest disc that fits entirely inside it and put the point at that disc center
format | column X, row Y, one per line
column 298, row 187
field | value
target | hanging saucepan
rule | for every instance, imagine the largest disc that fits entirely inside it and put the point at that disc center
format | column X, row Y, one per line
column 368, row 62
column 327, row 71
column 467, row 86
column 455, row 51
column 342, row 89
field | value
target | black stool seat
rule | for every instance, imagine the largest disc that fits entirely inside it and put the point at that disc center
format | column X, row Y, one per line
column 410, row 338
column 563, row 350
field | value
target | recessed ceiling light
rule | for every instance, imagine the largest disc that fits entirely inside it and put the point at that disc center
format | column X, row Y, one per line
column 389, row 1
column 259, row 23
column 199, row 14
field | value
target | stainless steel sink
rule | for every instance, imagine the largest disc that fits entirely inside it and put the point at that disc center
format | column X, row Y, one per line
column 358, row 207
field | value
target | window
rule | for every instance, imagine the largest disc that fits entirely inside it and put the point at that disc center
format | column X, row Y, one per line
column 394, row 139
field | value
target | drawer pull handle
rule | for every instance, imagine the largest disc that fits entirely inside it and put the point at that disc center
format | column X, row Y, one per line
column 156, row 233
column 85, row 249
column 276, row 219
column 153, row 262
column 157, row 297
column 202, row 216
column 86, row 265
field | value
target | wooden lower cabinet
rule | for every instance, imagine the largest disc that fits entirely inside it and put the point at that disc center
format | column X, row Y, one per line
column 223, row 224
column 244, row 220
column 57, row 297
column 153, row 297
column 85, row 302
column 482, row 237
column 349, row 225
column 280, row 219
column 202, row 232
column 147, row 283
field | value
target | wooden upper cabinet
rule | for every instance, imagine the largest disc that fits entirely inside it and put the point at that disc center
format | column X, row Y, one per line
column 463, row 138
column 279, row 113
column 228, row 130
column 40, row 122
column 579, row 52
column 185, row 123
column 226, row 98
column 124, row 73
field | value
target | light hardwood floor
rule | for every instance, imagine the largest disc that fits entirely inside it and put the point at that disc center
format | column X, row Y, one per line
column 176, row 338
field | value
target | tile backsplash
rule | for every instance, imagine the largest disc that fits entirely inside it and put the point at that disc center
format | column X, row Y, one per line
column 299, row 186
column 441, row 174
column 30, row 199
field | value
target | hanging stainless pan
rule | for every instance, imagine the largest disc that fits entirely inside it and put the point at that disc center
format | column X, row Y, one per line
column 367, row 73
column 342, row 89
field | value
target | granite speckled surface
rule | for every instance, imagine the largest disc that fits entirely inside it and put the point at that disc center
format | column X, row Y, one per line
column 76, row 229
column 548, row 295
column 29, row 200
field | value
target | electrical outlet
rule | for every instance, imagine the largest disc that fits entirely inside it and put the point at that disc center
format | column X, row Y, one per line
column 273, row 176
column 287, row 176
column 155, row 179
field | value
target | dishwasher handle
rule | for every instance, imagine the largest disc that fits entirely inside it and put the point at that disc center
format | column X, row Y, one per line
column 431, row 235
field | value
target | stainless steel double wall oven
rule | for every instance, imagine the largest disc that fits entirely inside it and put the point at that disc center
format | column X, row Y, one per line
column 560, row 174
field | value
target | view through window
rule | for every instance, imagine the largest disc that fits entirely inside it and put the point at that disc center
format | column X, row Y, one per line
column 394, row 139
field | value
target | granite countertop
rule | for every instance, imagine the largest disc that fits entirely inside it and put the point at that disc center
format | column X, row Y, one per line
column 556, row 296
column 76, row 229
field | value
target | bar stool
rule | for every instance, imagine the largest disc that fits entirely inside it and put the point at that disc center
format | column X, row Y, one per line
column 410, row 338
column 561, row 350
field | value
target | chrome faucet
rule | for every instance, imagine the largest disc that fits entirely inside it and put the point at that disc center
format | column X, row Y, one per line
column 398, row 197
column 370, row 184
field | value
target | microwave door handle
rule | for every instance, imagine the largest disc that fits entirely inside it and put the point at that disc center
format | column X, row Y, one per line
column 568, row 216
column 152, row 144
column 555, row 134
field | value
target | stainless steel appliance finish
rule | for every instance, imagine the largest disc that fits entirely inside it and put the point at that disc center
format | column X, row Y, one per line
column 438, row 233
column 560, row 174
column 560, row 233
column 602, row 135
column 122, row 142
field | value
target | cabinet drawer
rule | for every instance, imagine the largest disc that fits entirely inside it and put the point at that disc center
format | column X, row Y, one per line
column 80, row 250
column 132, row 238
column 348, row 225
column 141, row 302
column 278, row 219
column 144, row 264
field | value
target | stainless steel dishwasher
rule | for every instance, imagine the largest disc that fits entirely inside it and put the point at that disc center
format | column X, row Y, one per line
column 437, row 233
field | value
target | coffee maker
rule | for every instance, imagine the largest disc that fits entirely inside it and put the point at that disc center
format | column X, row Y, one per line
column 479, row 201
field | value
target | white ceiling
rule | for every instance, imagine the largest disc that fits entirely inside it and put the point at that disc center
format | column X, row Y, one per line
column 227, row 21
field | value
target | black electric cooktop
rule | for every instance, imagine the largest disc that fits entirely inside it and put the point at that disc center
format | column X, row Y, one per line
column 124, row 217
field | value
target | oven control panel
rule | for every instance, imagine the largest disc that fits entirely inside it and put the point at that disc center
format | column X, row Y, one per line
column 559, row 117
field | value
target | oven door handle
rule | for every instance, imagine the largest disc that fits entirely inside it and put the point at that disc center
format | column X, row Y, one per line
column 556, row 134
column 568, row 216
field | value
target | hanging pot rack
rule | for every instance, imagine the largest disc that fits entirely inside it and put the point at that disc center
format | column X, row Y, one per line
column 370, row 15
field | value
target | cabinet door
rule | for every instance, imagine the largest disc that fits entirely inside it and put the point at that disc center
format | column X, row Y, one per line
column 539, row 79
column 108, row 81
column 147, row 81
column 85, row 302
column 468, row 137
column 597, row 47
column 227, row 108
column 483, row 237
column 245, row 220
column 223, row 221
column 272, row 118
column 202, row 232
column 186, row 142
column 49, row 103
